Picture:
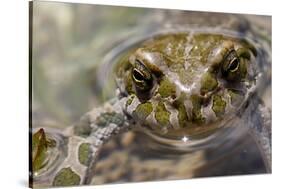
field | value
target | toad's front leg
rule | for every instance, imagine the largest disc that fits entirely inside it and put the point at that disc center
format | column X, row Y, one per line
column 78, row 148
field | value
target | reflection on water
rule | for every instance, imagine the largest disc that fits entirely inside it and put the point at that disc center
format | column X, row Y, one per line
column 134, row 160
column 69, row 43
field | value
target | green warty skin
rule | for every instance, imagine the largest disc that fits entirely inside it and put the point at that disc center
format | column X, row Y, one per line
column 177, row 83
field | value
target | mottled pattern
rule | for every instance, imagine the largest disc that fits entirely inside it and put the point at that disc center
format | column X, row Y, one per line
column 177, row 85
column 186, row 80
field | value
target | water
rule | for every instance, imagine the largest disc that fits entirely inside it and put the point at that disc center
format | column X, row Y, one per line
column 54, row 156
column 72, row 73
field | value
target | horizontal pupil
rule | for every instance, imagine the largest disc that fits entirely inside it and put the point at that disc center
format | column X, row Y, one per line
column 233, row 64
column 137, row 75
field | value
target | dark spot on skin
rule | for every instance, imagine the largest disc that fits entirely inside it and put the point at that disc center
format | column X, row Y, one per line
column 162, row 115
column 143, row 110
column 218, row 105
column 166, row 88
column 66, row 177
column 84, row 152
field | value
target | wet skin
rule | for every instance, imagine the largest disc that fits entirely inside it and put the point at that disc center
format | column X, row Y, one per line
column 179, row 83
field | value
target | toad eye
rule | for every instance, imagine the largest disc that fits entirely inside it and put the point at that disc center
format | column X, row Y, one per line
column 233, row 65
column 138, row 76
column 230, row 66
column 141, row 76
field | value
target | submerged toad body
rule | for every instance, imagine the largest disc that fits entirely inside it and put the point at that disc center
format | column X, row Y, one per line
column 173, row 85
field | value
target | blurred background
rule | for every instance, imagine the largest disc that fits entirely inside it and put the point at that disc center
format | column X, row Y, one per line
column 69, row 41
